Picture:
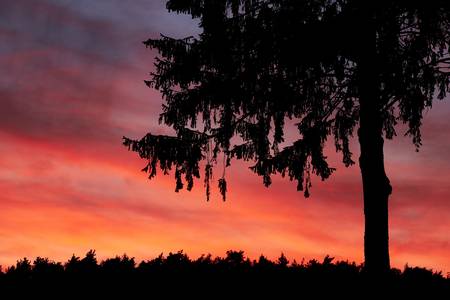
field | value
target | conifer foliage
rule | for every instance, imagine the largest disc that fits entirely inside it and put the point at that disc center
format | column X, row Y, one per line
column 331, row 66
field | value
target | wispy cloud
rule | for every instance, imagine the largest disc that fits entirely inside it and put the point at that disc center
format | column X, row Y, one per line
column 71, row 87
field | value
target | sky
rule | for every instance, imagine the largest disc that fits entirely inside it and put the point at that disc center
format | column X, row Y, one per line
column 71, row 86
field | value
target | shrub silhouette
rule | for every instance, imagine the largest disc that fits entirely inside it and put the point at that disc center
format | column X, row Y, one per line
column 234, row 275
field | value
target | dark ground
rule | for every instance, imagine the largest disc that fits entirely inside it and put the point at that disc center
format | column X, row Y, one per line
column 231, row 277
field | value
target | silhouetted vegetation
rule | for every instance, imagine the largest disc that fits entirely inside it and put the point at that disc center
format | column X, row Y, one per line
column 234, row 275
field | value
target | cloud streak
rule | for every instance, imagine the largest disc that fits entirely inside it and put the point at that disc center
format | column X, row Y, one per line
column 71, row 87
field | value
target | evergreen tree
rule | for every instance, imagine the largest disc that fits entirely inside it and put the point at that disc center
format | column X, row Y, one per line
column 330, row 65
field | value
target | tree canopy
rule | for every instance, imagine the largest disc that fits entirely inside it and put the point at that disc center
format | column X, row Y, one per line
column 177, row 275
column 258, row 63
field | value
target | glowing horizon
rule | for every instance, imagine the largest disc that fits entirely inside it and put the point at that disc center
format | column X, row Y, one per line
column 73, row 86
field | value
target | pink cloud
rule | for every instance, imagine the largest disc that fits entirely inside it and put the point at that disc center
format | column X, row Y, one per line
column 68, row 184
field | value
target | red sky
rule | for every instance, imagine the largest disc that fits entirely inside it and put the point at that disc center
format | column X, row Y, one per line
column 71, row 86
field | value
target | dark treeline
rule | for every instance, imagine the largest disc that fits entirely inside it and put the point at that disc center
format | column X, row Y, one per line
column 234, row 275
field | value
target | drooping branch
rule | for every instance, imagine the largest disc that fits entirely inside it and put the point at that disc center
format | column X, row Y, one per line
column 257, row 63
column 169, row 152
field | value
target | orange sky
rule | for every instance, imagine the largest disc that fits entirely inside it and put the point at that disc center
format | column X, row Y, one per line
column 71, row 87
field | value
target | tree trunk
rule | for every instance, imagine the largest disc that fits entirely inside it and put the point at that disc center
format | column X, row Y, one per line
column 376, row 186
column 376, row 191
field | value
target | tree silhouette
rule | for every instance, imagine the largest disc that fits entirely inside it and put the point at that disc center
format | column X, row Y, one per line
column 331, row 66
column 234, row 275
